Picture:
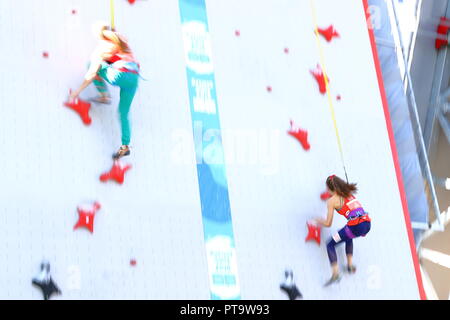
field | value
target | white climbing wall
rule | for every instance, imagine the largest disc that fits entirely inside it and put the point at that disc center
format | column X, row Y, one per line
column 52, row 162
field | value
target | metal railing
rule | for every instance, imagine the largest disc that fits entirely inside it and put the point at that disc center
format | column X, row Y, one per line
column 418, row 135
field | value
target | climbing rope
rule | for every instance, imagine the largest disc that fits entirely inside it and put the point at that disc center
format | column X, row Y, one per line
column 113, row 27
column 330, row 100
column 111, row 5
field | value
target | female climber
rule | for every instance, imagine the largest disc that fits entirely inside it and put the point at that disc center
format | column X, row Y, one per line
column 358, row 222
column 113, row 61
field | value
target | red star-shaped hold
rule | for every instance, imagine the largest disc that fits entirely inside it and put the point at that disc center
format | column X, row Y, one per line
column 301, row 135
column 328, row 33
column 325, row 195
column 320, row 78
column 313, row 232
column 82, row 108
column 442, row 31
column 117, row 172
column 86, row 217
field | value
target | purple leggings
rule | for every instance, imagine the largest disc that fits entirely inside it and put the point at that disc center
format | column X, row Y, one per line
column 346, row 234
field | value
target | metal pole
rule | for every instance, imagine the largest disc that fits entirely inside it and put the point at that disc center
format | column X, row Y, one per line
column 416, row 118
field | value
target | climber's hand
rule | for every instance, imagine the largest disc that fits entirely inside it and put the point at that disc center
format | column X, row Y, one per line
column 73, row 95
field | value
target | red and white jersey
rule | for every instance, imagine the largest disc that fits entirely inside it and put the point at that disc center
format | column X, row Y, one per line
column 353, row 211
column 107, row 51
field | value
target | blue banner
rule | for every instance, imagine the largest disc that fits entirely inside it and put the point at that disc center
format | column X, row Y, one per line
column 213, row 186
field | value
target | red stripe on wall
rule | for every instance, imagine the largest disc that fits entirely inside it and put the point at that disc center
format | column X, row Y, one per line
column 395, row 155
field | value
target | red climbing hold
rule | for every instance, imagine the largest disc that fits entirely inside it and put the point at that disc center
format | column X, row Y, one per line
column 86, row 217
column 133, row 262
column 300, row 135
column 328, row 33
column 442, row 30
column 313, row 232
column 237, row 33
column 74, row 11
column 45, row 54
column 131, row 1
column 338, row 97
column 320, row 77
column 269, row 89
column 82, row 108
column 286, row 50
column 325, row 195
column 117, row 172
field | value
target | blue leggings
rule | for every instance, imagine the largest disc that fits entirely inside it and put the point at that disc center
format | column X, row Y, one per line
column 128, row 83
column 346, row 234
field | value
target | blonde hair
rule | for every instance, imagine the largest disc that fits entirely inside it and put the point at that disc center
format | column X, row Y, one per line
column 119, row 41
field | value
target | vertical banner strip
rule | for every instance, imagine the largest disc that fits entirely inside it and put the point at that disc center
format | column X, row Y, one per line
column 213, row 185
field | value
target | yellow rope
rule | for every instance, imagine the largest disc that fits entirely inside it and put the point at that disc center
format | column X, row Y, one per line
column 330, row 100
column 111, row 5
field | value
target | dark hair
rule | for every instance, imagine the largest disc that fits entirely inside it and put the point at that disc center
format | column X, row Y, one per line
column 341, row 187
